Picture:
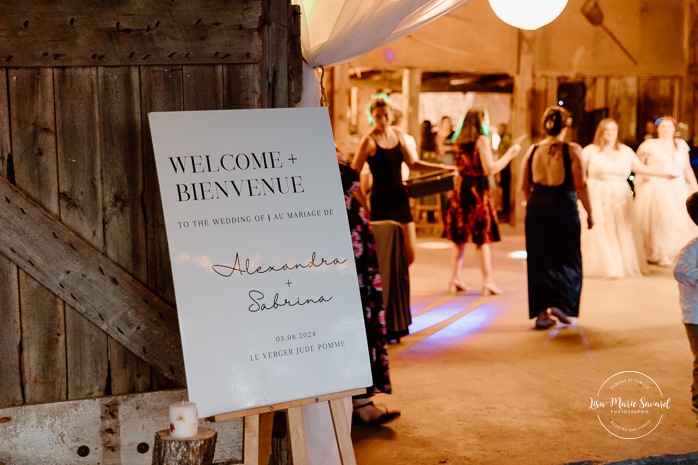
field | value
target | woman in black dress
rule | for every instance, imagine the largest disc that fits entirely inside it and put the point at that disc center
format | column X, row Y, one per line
column 552, row 179
column 384, row 150
column 471, row 214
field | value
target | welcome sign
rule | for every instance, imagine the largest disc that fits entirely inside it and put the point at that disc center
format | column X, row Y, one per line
column 262, row 260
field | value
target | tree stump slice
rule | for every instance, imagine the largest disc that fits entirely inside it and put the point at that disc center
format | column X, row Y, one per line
column 196, row 450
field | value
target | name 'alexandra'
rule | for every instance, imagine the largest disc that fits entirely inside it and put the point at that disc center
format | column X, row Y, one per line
column 249, row 268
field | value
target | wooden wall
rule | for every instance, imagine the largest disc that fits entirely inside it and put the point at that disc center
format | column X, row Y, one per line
column 77, row 82
column 630, row 100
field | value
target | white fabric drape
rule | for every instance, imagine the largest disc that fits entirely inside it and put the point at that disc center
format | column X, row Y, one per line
column 336, row 31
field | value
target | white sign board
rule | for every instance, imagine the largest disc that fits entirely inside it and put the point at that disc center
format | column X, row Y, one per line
column 262, row 260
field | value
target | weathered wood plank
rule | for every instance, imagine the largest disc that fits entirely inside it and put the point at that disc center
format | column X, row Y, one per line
column 10, row 335
column 72, row 269
column 10, row 325
column 129, row 32
column 296, row 55
column 161, row 90
column 33, row 131
column 622, row 105
column 32, row 123
column 241, row 86
column 6, row 161
column 276, row 63
column 80, row 199
column 655, row 97
column 111, row 430
column 203, row 88
column 124, row 221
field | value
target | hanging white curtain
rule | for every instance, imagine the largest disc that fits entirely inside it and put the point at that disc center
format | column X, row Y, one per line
column 336, row 31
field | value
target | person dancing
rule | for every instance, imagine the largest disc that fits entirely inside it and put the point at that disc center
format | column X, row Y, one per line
column 384, row 149
column 613, row 248
column 664, row 222
column 471, row 215
column 552, row 179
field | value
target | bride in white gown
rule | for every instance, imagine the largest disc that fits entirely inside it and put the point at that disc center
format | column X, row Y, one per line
column 661, row 203
column 613, row 247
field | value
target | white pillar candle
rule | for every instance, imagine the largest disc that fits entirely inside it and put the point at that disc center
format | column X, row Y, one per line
column 184, row 420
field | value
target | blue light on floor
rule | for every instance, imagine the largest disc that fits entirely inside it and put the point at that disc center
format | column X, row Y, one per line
column 470, row 323
column 435, row 316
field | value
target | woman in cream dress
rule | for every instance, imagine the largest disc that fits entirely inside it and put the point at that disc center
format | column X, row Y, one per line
column 613, row 248
column 661, row 203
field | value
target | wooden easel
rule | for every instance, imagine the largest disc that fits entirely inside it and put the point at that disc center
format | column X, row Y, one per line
column 259, row 422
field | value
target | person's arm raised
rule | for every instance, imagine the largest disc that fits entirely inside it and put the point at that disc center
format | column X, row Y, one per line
column 489, row 164
column 412, row 160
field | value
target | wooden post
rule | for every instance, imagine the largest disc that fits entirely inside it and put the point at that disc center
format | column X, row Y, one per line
column 521, row 116
column 411, row 85
column 197, row 450
column 338, row 87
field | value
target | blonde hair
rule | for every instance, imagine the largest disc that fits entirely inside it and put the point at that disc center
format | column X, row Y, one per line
column 600, row 128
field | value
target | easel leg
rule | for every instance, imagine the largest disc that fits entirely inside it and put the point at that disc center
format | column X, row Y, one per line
column 296, row 435
column 257, row 439
column 342, row 432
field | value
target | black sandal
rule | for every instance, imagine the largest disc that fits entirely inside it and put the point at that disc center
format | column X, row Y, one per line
column 384, row 417
column 560, row 315
column 544, row 324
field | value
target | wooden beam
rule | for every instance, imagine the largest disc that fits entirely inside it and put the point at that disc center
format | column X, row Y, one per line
column 35, row 33
column 92, row 284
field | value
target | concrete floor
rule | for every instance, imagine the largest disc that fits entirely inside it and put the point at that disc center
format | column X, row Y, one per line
column 477, row 385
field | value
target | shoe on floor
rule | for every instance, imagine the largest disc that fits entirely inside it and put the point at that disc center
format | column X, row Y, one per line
column 383, row 418
column 544, row 324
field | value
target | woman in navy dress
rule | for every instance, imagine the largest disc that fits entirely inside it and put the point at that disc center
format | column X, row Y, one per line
column 471, row 215
column 552, row 179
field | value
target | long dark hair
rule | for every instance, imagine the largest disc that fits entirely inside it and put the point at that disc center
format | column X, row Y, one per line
column 555, row 119
column 470, row 128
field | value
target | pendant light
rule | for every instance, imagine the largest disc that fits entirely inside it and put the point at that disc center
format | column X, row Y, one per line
column 530, row 14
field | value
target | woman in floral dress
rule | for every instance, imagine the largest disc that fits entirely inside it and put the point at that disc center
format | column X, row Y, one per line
column 471, row 214
column 370, row 289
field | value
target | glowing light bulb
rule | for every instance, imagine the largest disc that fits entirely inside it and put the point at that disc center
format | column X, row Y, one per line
column 528, row 15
